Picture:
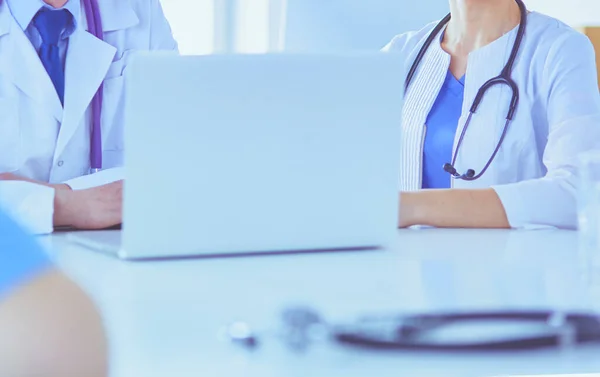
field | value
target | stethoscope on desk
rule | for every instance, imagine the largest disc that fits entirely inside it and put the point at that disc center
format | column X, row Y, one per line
column 503, row 79
column 301, row 327
column 94, row 21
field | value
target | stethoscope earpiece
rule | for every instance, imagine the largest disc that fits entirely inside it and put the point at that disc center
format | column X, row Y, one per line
column 448, row 168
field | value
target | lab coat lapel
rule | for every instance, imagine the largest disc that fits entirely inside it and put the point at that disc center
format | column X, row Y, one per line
column 117, row 15
column 88, row 61
column 419, row 100
column 29, row 75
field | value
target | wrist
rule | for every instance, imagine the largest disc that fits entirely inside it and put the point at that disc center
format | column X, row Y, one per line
column 62, row 186
column 62, row 210
column 409, row 215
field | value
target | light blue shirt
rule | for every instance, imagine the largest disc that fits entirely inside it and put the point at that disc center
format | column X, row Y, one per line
column 21, row 258
column 25, row 10
column 442, row 123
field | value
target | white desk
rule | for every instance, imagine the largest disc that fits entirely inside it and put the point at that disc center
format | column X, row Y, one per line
column 163, row 317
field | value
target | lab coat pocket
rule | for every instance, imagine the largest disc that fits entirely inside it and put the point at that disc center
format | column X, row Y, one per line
column 112, row 159
column 114, row 103
column 115, row 70
column 10, row 136
column 113, row 113
column 117, row 67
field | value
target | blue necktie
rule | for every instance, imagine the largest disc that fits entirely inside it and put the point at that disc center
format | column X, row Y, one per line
column 51, row 24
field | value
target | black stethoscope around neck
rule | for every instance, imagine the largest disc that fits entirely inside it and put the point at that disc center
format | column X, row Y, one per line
column 503, row 79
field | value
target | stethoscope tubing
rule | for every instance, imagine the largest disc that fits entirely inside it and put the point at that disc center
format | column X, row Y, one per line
column 505, row 78
column 94, row 20
column 558, row 329
column 572, row 329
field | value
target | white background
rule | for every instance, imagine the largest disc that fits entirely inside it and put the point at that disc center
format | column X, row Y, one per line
column 573, row 12
column 193, row 24
column 255, row 26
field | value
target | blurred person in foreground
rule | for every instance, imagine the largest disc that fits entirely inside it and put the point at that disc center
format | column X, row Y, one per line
column 48, row 326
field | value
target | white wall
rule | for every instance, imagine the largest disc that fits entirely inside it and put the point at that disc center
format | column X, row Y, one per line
column 573, row 12
column 252, row 26
column 316, row 25
column 193, row 24
column 311, row 25
column 208, row 26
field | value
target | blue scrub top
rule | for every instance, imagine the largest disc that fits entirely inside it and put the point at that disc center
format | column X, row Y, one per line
column 442, row 123
column 21, row 258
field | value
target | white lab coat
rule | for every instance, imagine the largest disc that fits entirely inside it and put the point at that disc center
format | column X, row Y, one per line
column 558, row 118
column 41, row 140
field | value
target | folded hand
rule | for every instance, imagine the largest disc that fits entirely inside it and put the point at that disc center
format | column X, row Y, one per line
column 95, row 208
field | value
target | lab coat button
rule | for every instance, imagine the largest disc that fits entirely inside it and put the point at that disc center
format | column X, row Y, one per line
column 60, row 163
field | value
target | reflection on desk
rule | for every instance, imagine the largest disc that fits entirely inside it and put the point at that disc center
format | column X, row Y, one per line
column 163, row 317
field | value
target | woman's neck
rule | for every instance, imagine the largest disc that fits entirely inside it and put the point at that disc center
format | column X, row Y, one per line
column 56, row 3
column 477, row 23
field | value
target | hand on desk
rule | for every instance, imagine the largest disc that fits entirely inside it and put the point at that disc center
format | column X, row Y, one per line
column 95, row 208
column 452, row 209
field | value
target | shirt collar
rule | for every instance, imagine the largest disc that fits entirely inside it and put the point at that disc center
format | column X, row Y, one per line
column 24, row 10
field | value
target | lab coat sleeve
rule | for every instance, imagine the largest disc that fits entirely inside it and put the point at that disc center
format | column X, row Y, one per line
column 400, row 43
column 161, row 35
column 573, row 113
column 29, row 204
column 101, row 178
column 396, row 44
column 407, row 43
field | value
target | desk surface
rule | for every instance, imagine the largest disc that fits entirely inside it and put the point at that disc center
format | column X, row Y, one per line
column 163, row 318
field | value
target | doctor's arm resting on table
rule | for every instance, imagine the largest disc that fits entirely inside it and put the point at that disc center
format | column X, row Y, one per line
column 48, row 326
column 68, row 198
column 41, row 207
column 572, row 115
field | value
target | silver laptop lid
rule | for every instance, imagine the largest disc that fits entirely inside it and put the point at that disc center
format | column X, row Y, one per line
column 258, row 153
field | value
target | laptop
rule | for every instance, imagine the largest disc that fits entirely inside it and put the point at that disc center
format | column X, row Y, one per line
column 245, row 154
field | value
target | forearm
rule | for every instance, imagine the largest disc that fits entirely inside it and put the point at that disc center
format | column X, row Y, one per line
column 453, row 209
column 95, row 208
column 63, row 211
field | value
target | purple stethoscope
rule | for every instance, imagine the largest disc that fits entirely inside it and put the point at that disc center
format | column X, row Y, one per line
column 94, row 21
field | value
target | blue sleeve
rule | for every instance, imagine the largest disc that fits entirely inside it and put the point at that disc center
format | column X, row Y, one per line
column 21, row 258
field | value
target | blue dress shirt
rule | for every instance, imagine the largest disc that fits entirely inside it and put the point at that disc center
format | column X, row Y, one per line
column 25, row 10
column 442, row 123
column 21, row 258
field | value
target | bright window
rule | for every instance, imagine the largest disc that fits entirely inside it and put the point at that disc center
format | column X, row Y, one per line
column 193, row 24
column 252, row 26
column 209, row 26
column 258, row 26
column 574, row 12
